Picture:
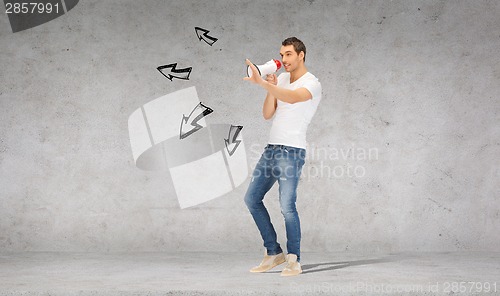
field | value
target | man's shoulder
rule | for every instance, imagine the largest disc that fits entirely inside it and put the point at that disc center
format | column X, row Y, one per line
column 311, row 76
column 311, row 80
column 312, row 84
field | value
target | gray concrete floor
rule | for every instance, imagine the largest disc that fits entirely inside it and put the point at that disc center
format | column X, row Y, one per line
column 227, row 274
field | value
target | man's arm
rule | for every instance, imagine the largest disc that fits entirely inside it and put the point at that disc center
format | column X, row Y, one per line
column 287, row 95
column 269, row 106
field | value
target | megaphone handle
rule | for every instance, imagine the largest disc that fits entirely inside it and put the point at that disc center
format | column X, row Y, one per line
column 255, row 67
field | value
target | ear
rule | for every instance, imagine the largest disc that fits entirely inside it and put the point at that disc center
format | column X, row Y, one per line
column 301, row 55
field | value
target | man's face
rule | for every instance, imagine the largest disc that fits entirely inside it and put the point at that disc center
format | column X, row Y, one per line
column 290, row 58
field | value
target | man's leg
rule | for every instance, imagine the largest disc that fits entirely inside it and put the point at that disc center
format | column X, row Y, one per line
column 262, row 180
column 290, row 167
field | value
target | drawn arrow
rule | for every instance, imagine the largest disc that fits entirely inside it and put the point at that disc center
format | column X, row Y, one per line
column 234, row 130
column 198, row 113
column 208, row 39
column 176, row 71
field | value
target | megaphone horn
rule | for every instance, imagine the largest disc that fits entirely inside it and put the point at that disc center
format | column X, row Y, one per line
column 268, row 68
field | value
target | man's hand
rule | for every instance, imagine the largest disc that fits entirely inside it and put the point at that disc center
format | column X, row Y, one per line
column 271, row 78
column 255, row 74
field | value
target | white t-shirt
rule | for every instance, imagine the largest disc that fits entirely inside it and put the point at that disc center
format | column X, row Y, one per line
column 291, row 120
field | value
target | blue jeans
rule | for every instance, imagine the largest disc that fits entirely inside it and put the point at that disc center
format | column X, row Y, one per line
column 283, row 164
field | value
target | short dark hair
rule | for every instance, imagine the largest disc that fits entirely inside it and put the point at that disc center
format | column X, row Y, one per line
column 298, row 45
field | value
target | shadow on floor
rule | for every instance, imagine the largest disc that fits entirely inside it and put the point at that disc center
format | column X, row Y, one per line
column 310, row 268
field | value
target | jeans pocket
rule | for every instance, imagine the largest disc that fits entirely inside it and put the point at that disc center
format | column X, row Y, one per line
column 297, row 153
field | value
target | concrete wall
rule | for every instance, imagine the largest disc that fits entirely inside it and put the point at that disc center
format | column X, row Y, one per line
column 403, row 150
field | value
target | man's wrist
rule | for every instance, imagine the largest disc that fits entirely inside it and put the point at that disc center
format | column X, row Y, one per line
column 263, row 83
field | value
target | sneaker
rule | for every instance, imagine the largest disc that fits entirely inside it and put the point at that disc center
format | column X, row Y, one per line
column 292, row 267
column 269, row 262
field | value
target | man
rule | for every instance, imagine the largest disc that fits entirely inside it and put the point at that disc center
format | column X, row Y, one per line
column 292, row 98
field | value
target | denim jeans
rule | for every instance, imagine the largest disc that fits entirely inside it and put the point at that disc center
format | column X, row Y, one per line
column 283, row 164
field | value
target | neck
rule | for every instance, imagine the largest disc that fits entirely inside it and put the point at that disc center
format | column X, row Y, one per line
column 297, row 73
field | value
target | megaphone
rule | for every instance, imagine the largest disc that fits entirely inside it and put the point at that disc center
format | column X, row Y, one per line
column 268, row 68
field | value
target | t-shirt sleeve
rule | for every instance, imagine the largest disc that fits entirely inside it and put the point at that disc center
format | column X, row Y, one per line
column 314, row 87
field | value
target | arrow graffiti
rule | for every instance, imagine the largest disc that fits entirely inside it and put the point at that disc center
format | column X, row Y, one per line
column 198, row 113
column 234, row 131
column 203, row 35
column 185, row 72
